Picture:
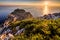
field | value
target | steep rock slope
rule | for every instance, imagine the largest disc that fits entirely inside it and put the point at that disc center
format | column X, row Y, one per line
column 18, row 14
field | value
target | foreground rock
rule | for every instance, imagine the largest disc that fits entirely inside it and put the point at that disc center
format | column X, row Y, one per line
column 7, row 37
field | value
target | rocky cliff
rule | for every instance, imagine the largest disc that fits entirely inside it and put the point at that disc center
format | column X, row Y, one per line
column 51, row 16
column 18, row 14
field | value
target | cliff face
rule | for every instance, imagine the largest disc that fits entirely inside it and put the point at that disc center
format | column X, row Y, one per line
column 18, row 14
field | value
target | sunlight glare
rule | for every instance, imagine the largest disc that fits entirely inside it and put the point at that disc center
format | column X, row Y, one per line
column 45, row 10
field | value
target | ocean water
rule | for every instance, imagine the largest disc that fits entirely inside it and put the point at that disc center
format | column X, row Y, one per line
column 36, row 11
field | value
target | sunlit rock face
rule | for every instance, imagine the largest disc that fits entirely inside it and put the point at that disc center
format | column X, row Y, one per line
column 19, row 14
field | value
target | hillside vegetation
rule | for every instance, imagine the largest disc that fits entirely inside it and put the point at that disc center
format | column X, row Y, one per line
column 36, row 29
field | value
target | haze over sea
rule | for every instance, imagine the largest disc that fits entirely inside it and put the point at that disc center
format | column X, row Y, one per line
column 36, row 11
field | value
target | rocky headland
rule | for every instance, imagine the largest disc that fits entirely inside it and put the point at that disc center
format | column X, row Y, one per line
column 14, row 25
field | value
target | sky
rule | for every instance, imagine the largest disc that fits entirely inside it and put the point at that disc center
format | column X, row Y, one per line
column 27, row 2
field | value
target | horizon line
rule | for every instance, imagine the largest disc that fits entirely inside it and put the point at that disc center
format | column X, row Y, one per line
column 31, row 4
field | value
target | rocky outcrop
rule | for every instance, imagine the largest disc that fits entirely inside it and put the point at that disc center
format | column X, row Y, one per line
column 51, row 16
column 19, row 14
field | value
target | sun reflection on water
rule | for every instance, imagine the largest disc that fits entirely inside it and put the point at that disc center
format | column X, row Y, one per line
column 46, row 9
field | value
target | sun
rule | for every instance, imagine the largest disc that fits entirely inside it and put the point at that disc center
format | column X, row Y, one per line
column 45, row 10
column 46, row 3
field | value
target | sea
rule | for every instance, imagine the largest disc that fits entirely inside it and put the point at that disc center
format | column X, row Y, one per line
column 36, row 11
